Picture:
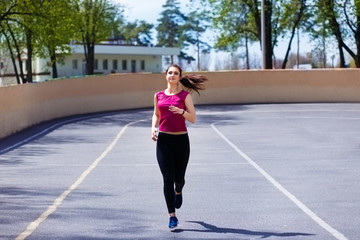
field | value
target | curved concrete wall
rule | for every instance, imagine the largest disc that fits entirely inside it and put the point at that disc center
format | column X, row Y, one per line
column 24, row 105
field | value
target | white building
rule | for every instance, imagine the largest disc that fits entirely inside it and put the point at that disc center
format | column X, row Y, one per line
column 109, row 58
column 112, row 58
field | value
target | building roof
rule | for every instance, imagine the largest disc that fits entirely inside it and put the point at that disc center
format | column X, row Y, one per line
column 127, row 50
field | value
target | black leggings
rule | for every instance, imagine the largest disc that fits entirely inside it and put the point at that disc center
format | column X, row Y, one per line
column 172, row 153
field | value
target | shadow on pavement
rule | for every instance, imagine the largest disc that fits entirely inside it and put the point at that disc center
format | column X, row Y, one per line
column 214, row 229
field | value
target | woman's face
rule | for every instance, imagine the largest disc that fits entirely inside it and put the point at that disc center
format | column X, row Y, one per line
column 173, row 75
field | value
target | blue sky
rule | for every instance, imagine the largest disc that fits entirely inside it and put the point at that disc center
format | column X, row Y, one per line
column 148, row 10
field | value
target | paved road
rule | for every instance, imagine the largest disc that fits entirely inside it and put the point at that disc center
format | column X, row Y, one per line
column 276, row 171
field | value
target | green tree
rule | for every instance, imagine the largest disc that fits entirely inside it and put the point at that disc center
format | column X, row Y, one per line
column 29, row 20
column 291, row 17
column 14, row 43
column 17, row 21
column 168, row 30
column 239, row 22
column 318, row 28
column 55, row 28
column 192, row 34
column 236, row 26
column 136, row 33
column 95, row 19
column 9, row 8
column 343, row 18
column 177, row 29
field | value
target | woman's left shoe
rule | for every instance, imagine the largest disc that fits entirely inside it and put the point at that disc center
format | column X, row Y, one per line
column 173, row 222
column 178, row 200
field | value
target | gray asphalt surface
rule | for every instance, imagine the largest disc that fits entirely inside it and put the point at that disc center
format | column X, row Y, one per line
column 272, row 171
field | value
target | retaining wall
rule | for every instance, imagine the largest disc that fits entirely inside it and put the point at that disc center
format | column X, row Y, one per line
column 24, row 105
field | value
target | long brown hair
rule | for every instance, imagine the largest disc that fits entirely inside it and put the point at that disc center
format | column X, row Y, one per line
column 192, row 81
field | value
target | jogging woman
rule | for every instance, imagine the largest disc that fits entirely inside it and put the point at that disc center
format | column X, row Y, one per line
column 172, row 107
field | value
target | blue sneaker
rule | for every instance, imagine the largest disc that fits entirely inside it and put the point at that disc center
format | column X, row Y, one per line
column 173, row 222
column 178, row 200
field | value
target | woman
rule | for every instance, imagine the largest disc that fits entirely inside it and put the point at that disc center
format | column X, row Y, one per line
column 172, row 107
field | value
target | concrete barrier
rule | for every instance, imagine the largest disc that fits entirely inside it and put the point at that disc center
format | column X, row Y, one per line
column 22, row 106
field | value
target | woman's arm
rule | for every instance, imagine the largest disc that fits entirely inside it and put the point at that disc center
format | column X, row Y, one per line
column 155, row 120
column 190, row 113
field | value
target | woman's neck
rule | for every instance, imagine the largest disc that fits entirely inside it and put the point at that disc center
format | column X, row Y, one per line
column 172, row 89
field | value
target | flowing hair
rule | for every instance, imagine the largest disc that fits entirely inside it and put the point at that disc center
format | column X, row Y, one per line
column 191, row 82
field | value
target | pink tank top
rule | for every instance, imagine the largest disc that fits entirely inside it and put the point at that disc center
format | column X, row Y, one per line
column 170, row 122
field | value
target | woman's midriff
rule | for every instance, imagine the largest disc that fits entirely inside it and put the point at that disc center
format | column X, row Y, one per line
column 175, row 133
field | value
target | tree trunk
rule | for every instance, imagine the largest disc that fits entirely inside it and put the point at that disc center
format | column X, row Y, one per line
column 335, row 28
column 91, row 59
column 247, row 57
column 89, row 50
column 12, row 58
column 295, row 26
column 336, row 31
column 198, row 51
column 341, row 55
column 18, row 54
column 324, row 51
column 53, row 63
column 29, row 77
column 357, row 36
column 268, row 36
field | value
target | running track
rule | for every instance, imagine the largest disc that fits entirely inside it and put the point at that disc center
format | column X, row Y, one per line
column 275, row 171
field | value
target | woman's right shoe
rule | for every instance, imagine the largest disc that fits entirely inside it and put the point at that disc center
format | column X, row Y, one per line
column 178, row 200
column 173, row 222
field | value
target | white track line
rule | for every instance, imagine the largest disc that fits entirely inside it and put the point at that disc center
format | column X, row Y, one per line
column 297, row 202
column 46, row 130
column 34, row 225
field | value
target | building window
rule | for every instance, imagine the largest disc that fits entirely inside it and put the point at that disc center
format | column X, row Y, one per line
column 74, row 64
column 133, row 66
column 142, row 64
column 96, row 64
column 105, row 64
column 124, row 65
column 115, row 64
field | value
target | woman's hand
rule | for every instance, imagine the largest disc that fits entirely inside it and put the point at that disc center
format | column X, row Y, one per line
column 154, row 133
column 175, row 110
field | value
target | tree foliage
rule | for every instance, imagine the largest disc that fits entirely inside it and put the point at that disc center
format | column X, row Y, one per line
column 177, row 29
column 17, row 27
column 55, row 29
column 239, row 24
column 168, row 30
column 136, row 33
column 291, row 15
column 94, row 24
column 342, row 19
column 192, row 34
column 37, row 28
column 44, row 28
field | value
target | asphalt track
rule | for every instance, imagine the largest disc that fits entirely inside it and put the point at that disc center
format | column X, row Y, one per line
column 272, row 171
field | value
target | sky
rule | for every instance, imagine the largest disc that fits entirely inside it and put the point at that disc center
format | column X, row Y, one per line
column 147, row 10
